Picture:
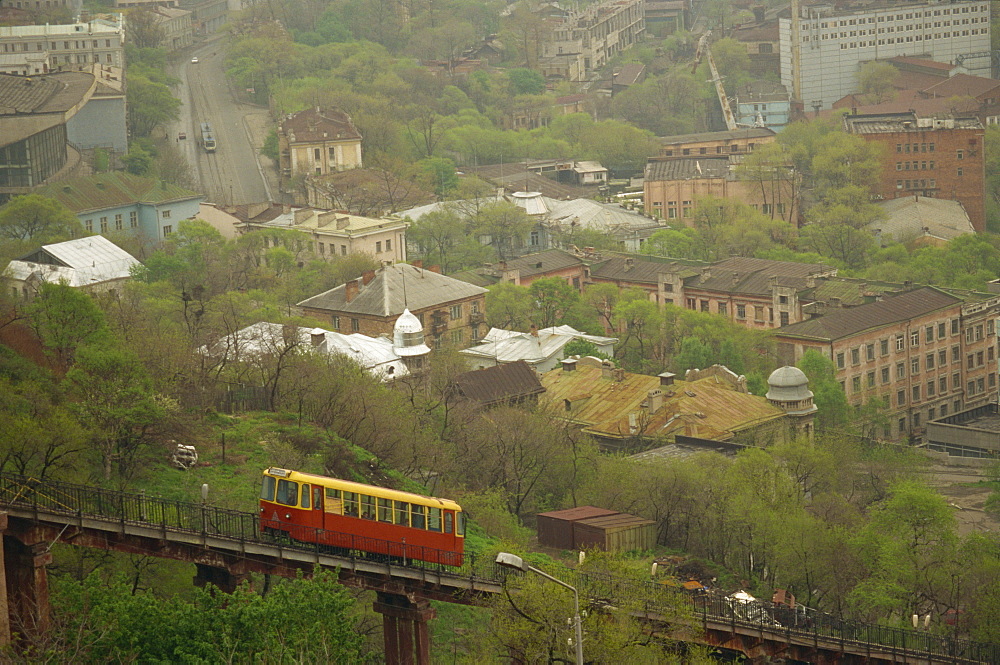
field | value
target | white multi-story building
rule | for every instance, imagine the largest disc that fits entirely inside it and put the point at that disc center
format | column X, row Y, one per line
column 833, row 42
column 101, row 41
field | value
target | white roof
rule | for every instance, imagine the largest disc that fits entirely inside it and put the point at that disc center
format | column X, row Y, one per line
column 508, row 346
column 910, row 217
column 79, row 262
column 375, row 354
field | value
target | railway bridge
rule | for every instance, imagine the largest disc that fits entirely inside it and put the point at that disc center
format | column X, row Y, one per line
column 226, row 546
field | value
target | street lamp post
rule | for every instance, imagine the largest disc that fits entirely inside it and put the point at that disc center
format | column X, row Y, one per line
column 508, row 560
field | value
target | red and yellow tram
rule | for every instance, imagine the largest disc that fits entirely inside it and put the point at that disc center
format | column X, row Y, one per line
column 352, row 516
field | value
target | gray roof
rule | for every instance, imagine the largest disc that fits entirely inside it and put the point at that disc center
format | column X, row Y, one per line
column 753, row 276
column 393, row 289
column 910, row 217
column 853, row 320
column 731, row 135
column 882, row 123
column 507, row 346
column 494, row 385
column 687, row 168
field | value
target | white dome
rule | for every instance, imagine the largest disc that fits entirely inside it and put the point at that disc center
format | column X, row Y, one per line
column 531, row 202
column 788, row 384
column 408, row 336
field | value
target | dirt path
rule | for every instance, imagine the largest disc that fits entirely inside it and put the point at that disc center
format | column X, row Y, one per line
column 964, row 489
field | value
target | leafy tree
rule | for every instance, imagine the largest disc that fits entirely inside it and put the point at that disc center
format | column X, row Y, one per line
column 694, row 354
column 145, row 30
column 679, row 243
column 65, row 320
column 553, row 298
column 526, row 81
column 582, row 347
column 138, row 161
column 37, row 220
column 509, row 306
column 505, row 224
column 876, row 79
column 441, row 173
column 116, row 402
column 437, row 233
column 149, row 104
column 829, row 397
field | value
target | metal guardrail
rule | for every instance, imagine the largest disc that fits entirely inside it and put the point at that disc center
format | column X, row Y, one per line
column 815, row 627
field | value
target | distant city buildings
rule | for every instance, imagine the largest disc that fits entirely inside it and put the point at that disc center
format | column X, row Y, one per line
column 316, row 142
column 581, row 41
column 100, row 41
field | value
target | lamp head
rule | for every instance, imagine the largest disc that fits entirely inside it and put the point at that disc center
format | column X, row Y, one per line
column 508, row 560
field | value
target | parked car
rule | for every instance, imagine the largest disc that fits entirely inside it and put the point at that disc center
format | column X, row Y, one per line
column 194, row 60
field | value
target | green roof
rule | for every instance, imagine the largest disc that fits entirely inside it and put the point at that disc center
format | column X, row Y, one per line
column 111, row 190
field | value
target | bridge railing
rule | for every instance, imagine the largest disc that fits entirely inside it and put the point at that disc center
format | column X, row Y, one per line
column 653, row 598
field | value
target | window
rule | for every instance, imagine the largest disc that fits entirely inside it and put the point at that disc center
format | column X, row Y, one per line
column 979, row 332
column 165, row 214
column 433, row 519
column 899, row 342
column 871, row 379
column 288, row 493
column 916, row 420
column 355, row 325
column 901, row 398
column 956, row 381
column 956, row 353
column 118, row 221
column 378, row 246
column 856, row 384
column 960, row 172
column 916, row 393
column 900, row 370
column 722, row 308
column 943, row 384
column 929, row 361
column 902, row 425
column 388, row 245
column 456, row 311
column 104, row 225
column 942, row 358
column 915, row 366
column 840, row 360
column 915, row 338
column 343, row 250
column 704, row 305
column 870, row 352
column 133, row 219
column 335, row 320
column 930, row 388
column 457, row 336
column 929, row 334
column 741, row 311
column 306, row 490
column 960, row 154
column 168, row 229
column 417, row 518
column 883, row 347
column 367, row 507
column 885, row 375
column 89, row 225
column 855, row 356
column 971, row 388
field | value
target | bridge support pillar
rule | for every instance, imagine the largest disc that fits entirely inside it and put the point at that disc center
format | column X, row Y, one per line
column 225, row 580
column 404, row 628
column 27, row 587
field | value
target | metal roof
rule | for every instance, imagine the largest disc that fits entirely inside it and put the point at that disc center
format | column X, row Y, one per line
column 730, row 135
column 393, row 289
column 578, row 513
column 112, row 190
column 643, row 271
column 493, row 385
column 507, row 346
column 687, row 168
column 79, row 262
column 910, row 217
column 846, row 322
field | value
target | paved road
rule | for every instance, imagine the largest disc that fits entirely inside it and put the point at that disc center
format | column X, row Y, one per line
column 231, row 175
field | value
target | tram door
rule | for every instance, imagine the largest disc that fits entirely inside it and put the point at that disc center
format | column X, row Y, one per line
column 317, row 504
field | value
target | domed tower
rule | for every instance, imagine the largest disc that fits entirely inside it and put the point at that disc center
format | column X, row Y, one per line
column 408, row 341
column 788, row 389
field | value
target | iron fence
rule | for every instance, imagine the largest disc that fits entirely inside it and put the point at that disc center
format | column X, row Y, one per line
column 137, row 509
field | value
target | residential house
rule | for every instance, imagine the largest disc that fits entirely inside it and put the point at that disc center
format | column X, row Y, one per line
column 334, row 233
column 500, row 385
column 672, row 188
column 524, row 270
column 316, row 142
column 33, row 128
column 626, row 411
column 936, row 157
column 919, row 220
column 705, row 144
column 93, row 263
column 450, row 310
column 924, row 352
column 823, row 47
column 175, row 27
column 379, row 356
column 540, row 349
column 118, row 201
column 761, row 104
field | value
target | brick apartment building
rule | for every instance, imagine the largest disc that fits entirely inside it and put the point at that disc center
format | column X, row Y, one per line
column 925, row 352
column 934, row 157
column 732, row 142
column 451, row 311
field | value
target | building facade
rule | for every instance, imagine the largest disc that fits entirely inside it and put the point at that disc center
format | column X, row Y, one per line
column 822, row 52
column 924, row 353
column 101, row 41
column 582, row 41
column 715, row 144
column 334, row 233
column 316, row 142
column 935, row 157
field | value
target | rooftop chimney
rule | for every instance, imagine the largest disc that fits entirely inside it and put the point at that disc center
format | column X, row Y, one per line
column 351, row 290
column 654, row 400
column 317, row 335
column 629, row 264
column 619, row 374
column 367, row 276
column 606, row 368
column 666, row 378
column 569, row 364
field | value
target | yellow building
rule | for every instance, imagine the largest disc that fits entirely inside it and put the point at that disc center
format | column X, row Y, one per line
column 318, row 141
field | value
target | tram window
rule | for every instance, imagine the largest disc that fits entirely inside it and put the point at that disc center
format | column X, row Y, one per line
column 417, row 517
column 402, row 510
column 385, row 510
column 350, row 504
column 447, row 522
column 306, row 493
column 434, row 519
column 267, row 489
column 461, row 524
column 367, row 507
column 317, row 497
column 334, row 494
column 288, row 493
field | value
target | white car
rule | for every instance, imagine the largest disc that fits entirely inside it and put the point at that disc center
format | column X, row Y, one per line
column 194, row 60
